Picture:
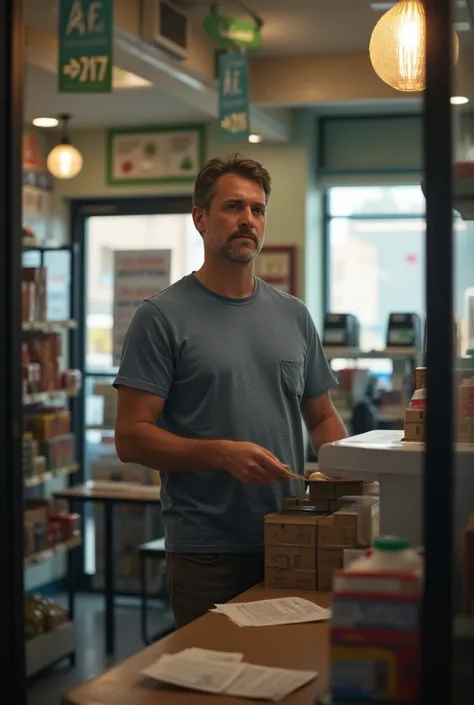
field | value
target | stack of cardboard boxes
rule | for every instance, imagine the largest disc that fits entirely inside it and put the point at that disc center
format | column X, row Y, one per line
column 318, row 533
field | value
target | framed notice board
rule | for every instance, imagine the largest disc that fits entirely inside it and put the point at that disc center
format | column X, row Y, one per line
column 155, row 155
column 276, row 265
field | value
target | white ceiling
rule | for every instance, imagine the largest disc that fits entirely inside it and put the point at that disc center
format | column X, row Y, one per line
column 116, row 109
column 307, row 27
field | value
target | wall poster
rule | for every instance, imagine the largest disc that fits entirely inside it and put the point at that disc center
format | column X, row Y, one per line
column 154, row 155
column 276, row 265
column 138, row 274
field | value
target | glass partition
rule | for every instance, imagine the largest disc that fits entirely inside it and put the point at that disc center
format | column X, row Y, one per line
column 462, row 116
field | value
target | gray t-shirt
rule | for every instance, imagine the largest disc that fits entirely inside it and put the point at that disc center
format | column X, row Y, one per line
column 234, row 369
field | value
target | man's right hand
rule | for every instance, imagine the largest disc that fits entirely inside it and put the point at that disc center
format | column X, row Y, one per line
column 250, row 463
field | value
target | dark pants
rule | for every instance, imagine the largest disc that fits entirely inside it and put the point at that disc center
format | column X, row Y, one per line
column 197, row 581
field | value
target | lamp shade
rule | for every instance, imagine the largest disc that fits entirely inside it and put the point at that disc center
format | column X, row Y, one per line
column 397, row 46
column 64, row 161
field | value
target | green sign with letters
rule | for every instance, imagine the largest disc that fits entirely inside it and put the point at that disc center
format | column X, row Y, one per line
column 233, row 96
column 85, row 46
column 232, row 31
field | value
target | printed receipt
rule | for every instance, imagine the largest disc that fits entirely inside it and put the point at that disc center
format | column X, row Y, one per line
column 226, row 673
column 267, row 613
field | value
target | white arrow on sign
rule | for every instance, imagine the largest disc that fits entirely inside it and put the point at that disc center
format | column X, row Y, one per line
column 72, row 69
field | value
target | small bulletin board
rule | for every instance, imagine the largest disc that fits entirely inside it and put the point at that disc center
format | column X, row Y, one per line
column 276, row 265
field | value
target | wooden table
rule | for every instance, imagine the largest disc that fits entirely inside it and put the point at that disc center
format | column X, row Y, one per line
column 109, row 494
column 302, row 646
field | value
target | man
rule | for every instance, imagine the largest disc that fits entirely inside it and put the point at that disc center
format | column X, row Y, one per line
column 216, row 371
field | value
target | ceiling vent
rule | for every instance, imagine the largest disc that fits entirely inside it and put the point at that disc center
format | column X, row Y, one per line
column 166, row 26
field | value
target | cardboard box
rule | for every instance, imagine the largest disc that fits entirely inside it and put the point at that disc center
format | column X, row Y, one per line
column 353, row 526
column 415, row 416
column 333, row 489
column 291, row 557
column 325, row 506
column 292, row 578
column 292, row 529
column 36, row 511
column 329, row 560
column 414, row 432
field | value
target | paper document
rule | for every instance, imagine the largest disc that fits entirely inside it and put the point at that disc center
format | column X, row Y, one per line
column 227, row 674
column 211, row 676
column 267, row 613
column 209, row 654
column 268, row 683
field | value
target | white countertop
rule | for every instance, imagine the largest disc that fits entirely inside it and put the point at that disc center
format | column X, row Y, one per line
column 376, row 453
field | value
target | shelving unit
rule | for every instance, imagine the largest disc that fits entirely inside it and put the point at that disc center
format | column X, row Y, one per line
column 50, row 648
column 51, row 475
column 404, row 361
column 49, row 553
column 53, row 646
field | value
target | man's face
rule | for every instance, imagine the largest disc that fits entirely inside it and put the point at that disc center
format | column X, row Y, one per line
column 234, row 226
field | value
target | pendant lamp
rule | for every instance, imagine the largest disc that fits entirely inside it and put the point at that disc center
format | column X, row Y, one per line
column 64, row 161
column 397, row 46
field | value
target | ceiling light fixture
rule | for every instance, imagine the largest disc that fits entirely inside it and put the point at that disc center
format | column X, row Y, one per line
column 459, row 100
column 255, row 139
column 64, row 161
column 397, row 46
column 45, row 122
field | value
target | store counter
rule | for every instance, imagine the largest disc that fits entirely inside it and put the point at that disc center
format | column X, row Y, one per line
column 397, row 465
column 300, row 646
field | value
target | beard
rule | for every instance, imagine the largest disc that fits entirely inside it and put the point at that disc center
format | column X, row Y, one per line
column 246, row 255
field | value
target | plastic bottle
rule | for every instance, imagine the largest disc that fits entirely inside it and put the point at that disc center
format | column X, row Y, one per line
column 389, row 554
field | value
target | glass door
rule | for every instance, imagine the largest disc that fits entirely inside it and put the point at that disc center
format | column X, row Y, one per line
column 132, row 225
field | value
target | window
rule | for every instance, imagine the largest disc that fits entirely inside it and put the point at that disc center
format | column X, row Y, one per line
column 376, row 255
column 106, row 259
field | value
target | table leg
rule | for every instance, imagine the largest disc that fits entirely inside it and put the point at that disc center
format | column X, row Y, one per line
column 144, row 599
column 72, row 558
column 71, row 576
column 109, row 549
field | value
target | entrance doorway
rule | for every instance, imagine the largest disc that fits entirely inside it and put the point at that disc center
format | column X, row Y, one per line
column 100, row 230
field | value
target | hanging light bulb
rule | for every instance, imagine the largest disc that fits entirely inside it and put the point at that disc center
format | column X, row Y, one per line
column 64, row 161
column 397, row 46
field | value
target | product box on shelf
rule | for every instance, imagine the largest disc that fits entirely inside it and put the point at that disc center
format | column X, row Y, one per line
column 36, row 510
column 468, row 567
column 45, row 525
column 48, row 423
column 59, row 451
column 40, row 359
column 34, row 293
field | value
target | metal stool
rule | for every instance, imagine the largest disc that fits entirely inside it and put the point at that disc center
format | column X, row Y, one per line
column 151, row 550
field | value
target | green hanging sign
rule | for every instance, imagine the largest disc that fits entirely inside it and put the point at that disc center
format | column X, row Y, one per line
column 232, row 31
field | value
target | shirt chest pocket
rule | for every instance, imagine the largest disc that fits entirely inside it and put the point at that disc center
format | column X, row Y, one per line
column 292, row 377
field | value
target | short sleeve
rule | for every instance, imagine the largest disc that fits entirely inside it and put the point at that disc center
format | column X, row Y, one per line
column 319, row 377
column 147, row 361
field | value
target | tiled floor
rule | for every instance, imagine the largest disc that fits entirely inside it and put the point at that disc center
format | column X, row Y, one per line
column 91, row 659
